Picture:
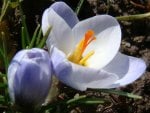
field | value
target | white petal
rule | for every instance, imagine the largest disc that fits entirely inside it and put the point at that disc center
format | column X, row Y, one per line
column 108, row 34
column 45, row 22
column 61, row 34
column 77, row 76
column 12, row 69
column 119, row 65
column 129, row 69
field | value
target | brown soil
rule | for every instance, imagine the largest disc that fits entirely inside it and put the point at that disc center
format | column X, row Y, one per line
column 135, row 42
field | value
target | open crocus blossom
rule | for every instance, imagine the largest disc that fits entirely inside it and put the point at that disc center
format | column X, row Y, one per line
column 86, row 55
column 29, row 77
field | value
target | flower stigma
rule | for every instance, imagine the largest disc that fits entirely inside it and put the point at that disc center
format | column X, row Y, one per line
column 76, row 55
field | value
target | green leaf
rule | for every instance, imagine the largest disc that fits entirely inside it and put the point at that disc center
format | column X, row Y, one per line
column 14, row 4
column 26, row 33
column 75, row 99
column 42, row 43
column 79, row 6
column 2, row 75
column 122, row 93
column 91, row 101
column 4, row 9
column 39, row 37
column 23, row 42
column 3, row 85
column 31, row 45
column 3, row 51
column 2, row 98
column 24, row 25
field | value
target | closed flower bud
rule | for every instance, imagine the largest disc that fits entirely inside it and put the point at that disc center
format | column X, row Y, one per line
column 29, row 78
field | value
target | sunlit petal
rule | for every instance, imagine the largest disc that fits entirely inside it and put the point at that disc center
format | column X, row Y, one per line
column 108, row 38
column 92, row 62
column 77, row 76
column 60, row 34
column 129, row 69
column 119, row 65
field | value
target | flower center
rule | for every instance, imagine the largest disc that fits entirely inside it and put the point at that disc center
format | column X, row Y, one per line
column 76, row 55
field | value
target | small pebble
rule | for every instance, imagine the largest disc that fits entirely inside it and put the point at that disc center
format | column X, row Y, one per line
column 139, row 39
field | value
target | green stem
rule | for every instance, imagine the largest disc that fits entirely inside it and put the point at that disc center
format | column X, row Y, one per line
column 79, row 7
column 34, row 37
column 64, row 102
column 23, row 18
column 38, row 37
column 76, row 99
column 42, row 43
column 122, row 93
column 4, row 9
column 5, row 56
column 108, row 5
column 133, row 17
column 23, row 42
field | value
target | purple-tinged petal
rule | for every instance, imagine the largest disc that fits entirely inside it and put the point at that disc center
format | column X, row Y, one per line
column 119, row 65
column 27, row 85
column 77, row 76
column 29, row 77
column 64, row 11
column 127, row 68
column 60, row 34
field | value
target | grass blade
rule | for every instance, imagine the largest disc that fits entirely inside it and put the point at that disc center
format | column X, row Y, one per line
column 23, row 42
column 4, row 9
column 2, row 75
column 39, row 37
column 3, row 85
column 122, row 93
column 26, row 33
column 23, row 18
column 42, row 43
column 34, row 36
column 91, row 101
column 4, row 49
column 79, row 7
column 2, row 98
column 75, row 99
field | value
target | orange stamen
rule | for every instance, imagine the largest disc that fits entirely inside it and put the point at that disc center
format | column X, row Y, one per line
column 89, row 37
column 76, row 55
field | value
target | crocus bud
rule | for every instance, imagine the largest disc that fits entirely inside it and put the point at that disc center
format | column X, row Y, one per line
column 29, row 78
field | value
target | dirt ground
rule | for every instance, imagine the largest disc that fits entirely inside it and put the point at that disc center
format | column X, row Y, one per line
column 135, row 42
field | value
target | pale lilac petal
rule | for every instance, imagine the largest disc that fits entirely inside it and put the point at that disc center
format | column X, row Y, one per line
column 29, row 77
column 66, row 13
column 20, row 55
column 60, row 34
column 77, row 76
column 127, row 68
column 119, row 65
column 108, row 34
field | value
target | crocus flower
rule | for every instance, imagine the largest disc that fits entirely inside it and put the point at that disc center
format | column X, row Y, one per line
column 86, row 54
column 29, row 77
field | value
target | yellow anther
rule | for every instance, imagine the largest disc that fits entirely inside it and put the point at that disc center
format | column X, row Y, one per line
column 76, row 55
column 85, row 58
